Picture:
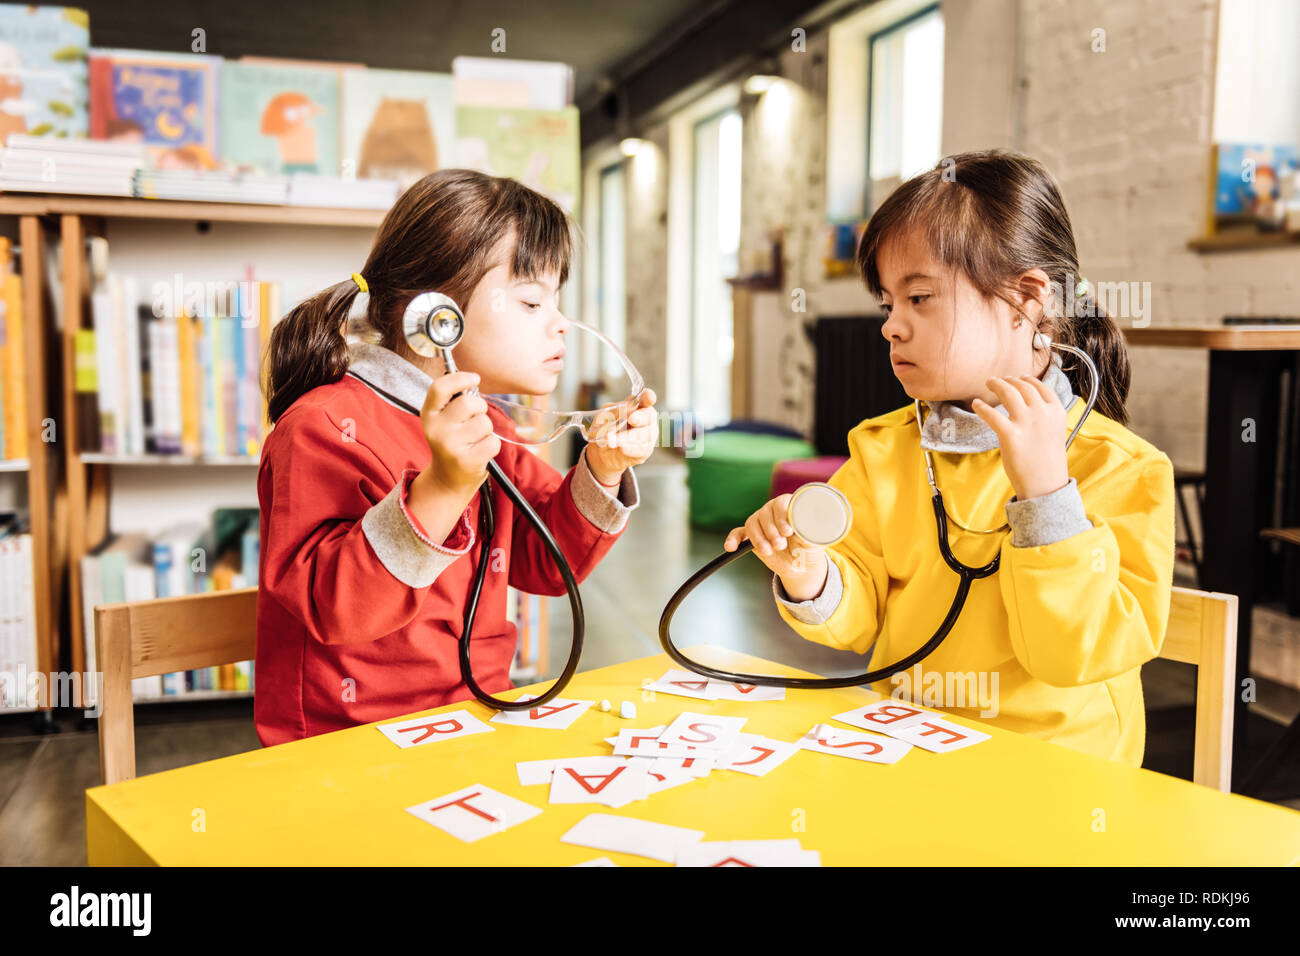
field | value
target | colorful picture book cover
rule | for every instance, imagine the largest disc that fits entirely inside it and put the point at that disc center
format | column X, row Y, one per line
column 397, row 124
column 43, row 71
column 166, row 101
column 280, row 119
column 1247, row 178
column 537, row 147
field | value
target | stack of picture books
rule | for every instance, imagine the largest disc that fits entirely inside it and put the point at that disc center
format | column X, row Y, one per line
column 266, row 130
column 85, row 166
column 210, row 186
column 309, row 189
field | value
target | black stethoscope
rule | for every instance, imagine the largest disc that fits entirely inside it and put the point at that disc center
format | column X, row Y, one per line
column 433, row 325
column 822, row 516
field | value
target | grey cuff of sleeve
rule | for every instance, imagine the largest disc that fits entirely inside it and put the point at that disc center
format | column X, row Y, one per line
column 598, row 504
column 1048, row 518
column 409, row 556
column 815, row 610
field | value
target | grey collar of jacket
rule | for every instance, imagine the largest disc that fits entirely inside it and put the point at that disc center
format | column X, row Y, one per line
column 388, row 370
column 967, row 431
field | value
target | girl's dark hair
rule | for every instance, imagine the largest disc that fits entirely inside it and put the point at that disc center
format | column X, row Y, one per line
column 438, row 236
column 994, row 215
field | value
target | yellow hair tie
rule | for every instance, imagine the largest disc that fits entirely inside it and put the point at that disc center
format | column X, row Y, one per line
column 360, row 280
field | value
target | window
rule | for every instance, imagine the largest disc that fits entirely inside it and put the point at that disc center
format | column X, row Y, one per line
column 715, row 242
column 905, row 99
column 1257, row 75
column 611, row 291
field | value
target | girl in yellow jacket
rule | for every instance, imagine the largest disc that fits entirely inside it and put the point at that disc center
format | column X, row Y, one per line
column 969, row 261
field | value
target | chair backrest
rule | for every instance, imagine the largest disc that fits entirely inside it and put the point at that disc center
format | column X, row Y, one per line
column 1203, row 631
column 146, row 638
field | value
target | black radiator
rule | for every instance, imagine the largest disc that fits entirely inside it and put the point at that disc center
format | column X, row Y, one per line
column 854, row 378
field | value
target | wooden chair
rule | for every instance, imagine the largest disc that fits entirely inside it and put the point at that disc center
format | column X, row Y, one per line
column 1203, row 631
column 146, row 638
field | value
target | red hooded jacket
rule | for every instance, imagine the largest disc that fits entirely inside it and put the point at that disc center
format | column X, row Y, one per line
column 359, row 614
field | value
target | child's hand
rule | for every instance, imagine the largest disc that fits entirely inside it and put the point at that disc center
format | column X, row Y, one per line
column 1032, row 439
column 611, row 451
column 800, row 566
column 459, row 433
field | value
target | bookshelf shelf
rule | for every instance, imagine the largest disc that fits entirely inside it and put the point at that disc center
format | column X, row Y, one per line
column 98, row 458
column 111, row 207
column 15, row 464
column 1243, row 241
column 195, row 695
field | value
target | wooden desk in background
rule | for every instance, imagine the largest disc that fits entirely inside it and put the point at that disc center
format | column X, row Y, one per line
column 1246, row 363
column 340, row 798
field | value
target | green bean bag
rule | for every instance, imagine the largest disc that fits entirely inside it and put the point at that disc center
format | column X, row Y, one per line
column 730, row 475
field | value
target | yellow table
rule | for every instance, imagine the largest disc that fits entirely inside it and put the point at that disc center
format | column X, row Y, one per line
column 340, row 798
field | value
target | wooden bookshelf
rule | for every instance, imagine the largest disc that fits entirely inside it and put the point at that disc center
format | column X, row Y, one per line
column 36, row 467
column 82, row 493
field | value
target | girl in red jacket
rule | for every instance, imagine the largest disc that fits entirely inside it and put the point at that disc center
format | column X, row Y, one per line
column 369, row 515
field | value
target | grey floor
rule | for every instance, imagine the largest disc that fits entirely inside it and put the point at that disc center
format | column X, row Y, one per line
column 43, row 776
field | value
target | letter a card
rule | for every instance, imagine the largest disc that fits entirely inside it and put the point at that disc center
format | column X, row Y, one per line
column 558, row 714
column 611, row 781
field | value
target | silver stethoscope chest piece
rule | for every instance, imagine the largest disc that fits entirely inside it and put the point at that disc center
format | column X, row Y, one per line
column 432, row 323
column 820, row 514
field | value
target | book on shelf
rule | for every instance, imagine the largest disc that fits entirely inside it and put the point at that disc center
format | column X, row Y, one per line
column 13, row 385
column 18, row 652
column 158, row 379
column 396, row 124
column 280, row 116
column 166, row 101
column 43, row 73
column 185, row 559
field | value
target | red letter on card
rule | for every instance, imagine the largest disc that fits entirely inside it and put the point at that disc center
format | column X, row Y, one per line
column 432, row 728
column 605, row 778
column 460, row 802
column 707, row 736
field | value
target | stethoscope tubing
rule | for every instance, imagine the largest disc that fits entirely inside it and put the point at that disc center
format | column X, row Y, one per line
column 966, row 576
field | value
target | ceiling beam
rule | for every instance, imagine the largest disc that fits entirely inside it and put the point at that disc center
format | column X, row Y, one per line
column 693, row 56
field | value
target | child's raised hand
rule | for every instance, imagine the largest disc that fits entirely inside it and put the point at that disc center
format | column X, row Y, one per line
column 1032, row 439
column 622, row 434
column 800, row 566
column 459, row 432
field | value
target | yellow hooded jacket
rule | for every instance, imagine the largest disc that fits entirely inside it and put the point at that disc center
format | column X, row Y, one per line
column 1057, row 635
